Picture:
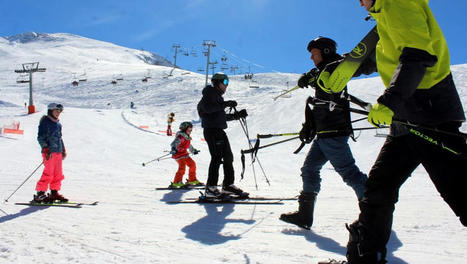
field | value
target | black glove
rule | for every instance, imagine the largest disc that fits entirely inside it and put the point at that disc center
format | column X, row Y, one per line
column 173, row 151
column 195, row 151
column 303, row 81
column 308, row 78
column 307, row 134
column 230, row 103
column 240, row 114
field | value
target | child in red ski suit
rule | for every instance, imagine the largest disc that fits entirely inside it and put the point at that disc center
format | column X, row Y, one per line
column 180, row 147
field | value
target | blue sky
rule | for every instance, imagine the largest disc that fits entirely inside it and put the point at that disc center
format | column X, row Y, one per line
column 267, row 35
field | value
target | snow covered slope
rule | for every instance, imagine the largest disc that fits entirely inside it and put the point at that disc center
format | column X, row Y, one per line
column 133, row 223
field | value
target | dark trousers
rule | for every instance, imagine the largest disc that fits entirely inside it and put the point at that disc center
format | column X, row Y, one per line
column 221, row 153
column 396, row 161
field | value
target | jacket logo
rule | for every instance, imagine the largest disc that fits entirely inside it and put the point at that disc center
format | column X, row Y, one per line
column 359, row 51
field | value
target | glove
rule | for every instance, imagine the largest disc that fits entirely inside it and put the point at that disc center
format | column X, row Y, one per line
column 195, row 151
column 380, row 115
column 47, row 153
column 303, row 81
column 230, row 103
column 240, row 114
column 173, row 151
column 308, row 78
column 323, row 81
column 307, row 134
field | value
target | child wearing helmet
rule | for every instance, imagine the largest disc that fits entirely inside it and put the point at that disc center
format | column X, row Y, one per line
column 180, row 147
column 50, row 139
column 170, row 119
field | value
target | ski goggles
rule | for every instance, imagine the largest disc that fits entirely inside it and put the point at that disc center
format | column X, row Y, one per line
column 225, row 82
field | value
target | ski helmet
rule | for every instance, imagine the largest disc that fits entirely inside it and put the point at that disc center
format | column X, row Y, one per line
column 185, row 125
column 219, row 77
column 172, row 114
column 55, row 106
column 326, row 45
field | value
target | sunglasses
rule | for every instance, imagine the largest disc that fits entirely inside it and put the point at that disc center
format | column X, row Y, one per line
column 226, row 82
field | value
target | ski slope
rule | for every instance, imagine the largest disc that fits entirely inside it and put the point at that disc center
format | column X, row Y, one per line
column 133, row 223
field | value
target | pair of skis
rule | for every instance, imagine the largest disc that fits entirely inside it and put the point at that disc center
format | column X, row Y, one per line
column 60, row 204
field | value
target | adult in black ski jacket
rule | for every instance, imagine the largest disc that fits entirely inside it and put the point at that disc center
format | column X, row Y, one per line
column 211, row 109
column 332, row 127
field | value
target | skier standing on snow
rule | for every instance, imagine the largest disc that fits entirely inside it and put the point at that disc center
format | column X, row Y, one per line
column 50, row 139
column 332, row 128
column 170, row 120
column 211, row 109
column 413, row 62
column 179, row 151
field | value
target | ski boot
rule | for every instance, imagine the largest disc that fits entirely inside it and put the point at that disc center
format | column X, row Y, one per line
column 55, row 196
column 234, row 192
column 212, row 192
column 194, row 183
column 40, row 197
column 176, row 185
column 304, row 216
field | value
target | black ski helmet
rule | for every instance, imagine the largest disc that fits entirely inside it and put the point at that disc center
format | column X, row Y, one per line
column 185, row 125
column 326, row 45
column 218, row 77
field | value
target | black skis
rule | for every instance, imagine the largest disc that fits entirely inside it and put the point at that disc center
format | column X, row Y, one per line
column 185, row 187
column 257, row 198
column 60, row 204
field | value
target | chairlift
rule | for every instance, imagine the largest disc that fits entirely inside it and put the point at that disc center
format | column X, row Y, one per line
column 75, row 83
column 200, row 70
column 194, row 53
column 114, row 82
column 254, row 85
column 119, row 77
column 145, row 79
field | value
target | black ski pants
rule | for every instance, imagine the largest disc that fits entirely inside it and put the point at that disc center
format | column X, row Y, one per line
column 221, row 153
column 397, row 159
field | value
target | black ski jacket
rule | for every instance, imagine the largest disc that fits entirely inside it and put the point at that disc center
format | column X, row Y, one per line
column 330, row 122
column 211, row 109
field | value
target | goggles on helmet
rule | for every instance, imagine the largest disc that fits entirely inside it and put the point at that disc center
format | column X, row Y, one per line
column 225, row 82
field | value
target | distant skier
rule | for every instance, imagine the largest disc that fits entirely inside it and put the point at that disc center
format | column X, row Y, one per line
column 214, row 121
column 50, row 139
column 170, row 120
column 132, row 105
column 179, row 150
column 413, row 62
column 332, row 128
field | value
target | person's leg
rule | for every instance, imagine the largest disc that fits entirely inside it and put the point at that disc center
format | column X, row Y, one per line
column 215, row 146
column 227, row 158
column 47, row 175
column 446, row 169
column 370, row 233
column 192, row 169
column 310, row 171
column 337, row 150
column 181, row 171
column 56, row 183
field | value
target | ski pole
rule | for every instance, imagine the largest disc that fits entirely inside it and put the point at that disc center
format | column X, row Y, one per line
column 276, row 135
column 268, row 145
column 6, row 200
column 286, row 92
column 156, row 159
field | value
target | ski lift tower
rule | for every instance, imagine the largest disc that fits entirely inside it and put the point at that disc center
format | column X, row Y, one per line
column 30, row 68
column 208, row 44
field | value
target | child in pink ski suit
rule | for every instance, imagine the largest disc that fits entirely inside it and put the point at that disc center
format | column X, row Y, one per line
column 49, row 137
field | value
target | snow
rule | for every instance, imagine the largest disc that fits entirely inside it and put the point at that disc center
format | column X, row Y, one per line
column 133, row 223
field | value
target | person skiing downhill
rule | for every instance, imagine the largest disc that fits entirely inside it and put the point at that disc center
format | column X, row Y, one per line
column 170, row 120
column 214, row 121
column 332, row 128
column 420, row 103
column 179, row 150
column 53, row 151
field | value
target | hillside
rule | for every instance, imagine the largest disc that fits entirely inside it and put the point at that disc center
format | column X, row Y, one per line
column 133, row 223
